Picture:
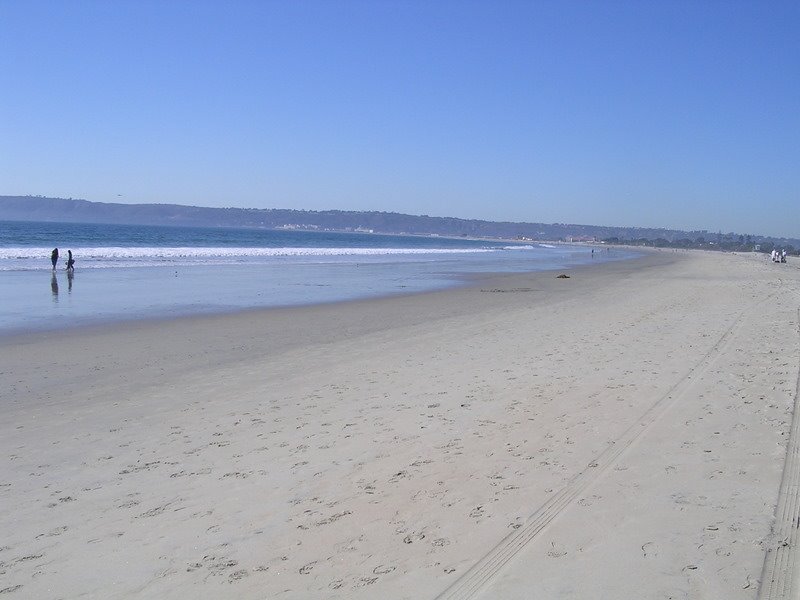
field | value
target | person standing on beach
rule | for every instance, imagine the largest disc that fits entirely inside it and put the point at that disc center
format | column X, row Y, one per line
column 54, row 257
column 70, row 262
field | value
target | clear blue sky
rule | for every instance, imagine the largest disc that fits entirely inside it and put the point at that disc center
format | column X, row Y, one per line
column 679, row 114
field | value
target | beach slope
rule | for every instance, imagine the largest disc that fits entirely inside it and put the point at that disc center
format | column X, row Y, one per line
column 619, row 433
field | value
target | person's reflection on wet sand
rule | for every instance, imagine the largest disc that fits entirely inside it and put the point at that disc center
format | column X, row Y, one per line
column 70, row 277
column 54, row 287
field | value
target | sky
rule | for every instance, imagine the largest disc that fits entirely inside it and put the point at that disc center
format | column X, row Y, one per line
column 674, row 114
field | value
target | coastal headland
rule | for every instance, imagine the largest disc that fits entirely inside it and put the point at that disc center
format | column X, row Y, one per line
column 621, row 432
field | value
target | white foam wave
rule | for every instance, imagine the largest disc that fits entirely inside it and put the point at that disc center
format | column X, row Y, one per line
column 23, row 258
column 216, row 252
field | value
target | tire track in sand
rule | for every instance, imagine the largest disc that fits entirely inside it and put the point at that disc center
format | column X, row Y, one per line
column 476, row 578
column 780, row 573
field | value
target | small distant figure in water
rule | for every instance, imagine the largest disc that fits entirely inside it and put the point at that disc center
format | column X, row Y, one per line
column 54, row 257
column 592, row 252
column 70, row 262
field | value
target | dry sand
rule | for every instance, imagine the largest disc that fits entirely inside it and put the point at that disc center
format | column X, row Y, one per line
column 618, row 434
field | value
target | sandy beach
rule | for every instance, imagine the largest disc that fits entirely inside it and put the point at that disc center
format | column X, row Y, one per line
column 621, row 433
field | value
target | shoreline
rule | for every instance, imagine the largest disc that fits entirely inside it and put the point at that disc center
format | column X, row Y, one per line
column 462, row 282
column 383, row 447
column 51, row 301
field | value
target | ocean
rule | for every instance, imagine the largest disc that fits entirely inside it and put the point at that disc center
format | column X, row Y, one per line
column 125, row 272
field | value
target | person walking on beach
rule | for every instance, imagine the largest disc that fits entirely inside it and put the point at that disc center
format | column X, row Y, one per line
column 70, row 261
column 54, row 257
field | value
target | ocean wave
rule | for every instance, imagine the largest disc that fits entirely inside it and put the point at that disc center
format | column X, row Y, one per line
column 24, row 258
column 525, row 247
column 192, row 252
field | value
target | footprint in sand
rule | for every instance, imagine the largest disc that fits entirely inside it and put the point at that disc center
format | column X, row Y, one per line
column 306, row 569
column 383, row 569
column 588, row 501
column 238, row 575
column 411, row 538
column 556, row 551
column 650, row 549
column 398, row 476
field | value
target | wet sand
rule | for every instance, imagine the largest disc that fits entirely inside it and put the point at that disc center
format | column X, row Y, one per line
column 620, row 433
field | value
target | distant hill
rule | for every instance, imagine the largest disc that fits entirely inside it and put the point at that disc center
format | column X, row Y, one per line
column 37, row 208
